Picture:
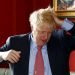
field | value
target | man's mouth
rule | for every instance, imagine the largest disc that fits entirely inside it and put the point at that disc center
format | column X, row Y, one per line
column 44, row 41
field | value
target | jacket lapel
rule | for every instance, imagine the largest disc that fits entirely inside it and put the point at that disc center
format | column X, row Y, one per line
column 26, row 54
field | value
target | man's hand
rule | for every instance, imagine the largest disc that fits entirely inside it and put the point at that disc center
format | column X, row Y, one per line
column 12, row 56
column 54, row 15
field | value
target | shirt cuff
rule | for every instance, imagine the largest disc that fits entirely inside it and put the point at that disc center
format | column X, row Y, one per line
column 67, row 25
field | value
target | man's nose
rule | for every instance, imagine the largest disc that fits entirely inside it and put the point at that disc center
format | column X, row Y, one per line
column 45, row 36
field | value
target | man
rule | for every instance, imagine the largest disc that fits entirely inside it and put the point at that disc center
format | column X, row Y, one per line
column 56, row 45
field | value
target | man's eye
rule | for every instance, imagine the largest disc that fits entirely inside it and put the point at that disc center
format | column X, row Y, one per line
column 42, row 32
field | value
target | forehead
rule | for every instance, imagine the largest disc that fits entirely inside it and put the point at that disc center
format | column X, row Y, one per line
column 45, row 27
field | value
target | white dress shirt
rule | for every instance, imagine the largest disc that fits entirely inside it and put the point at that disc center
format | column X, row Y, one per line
column 33, row 52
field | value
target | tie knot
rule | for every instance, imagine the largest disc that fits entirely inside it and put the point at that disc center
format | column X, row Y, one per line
column 39, row 48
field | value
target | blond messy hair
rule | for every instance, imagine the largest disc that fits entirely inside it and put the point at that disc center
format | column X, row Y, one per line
column 41, row 16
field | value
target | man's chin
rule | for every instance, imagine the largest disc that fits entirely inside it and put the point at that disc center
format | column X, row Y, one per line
column 43, row 44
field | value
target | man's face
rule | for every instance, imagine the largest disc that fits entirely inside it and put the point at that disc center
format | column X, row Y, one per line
column 42, row 33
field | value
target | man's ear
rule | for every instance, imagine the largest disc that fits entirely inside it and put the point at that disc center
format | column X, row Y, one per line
column 31, row 28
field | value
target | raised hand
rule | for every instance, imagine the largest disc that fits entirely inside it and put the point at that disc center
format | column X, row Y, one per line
column 57, row 20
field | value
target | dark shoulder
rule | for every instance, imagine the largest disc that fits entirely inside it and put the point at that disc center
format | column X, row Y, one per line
column 61, row 34
column 58, row 33
column 18, row 37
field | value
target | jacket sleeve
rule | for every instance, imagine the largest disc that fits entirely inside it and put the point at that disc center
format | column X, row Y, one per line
column 7, row 45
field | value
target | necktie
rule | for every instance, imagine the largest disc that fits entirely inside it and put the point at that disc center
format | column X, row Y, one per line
column 39, row 63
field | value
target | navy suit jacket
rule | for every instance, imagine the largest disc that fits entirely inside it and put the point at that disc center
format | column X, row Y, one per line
column 58, row 47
